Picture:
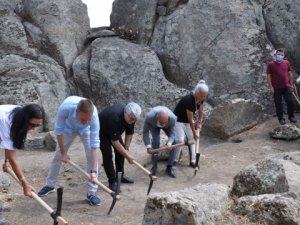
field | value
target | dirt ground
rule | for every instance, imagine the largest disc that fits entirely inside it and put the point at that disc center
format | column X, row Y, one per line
column 220, row 162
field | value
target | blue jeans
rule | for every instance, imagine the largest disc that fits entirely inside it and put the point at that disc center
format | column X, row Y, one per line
column 155, row 133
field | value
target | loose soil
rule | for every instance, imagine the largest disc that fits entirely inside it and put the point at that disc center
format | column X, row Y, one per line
column 220, row 162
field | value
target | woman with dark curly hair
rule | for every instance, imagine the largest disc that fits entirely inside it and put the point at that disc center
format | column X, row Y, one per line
column 15, row 122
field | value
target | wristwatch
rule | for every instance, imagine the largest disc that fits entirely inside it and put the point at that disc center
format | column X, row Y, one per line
column 93, row 171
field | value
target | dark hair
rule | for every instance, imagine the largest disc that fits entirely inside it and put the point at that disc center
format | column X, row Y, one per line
column 279, row 50
column 21, row 117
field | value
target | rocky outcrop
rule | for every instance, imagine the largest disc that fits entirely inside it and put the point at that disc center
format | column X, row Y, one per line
column 114, row 71
column 201, row 204
column 285, row 132
column 264, row 177
column 218, row 41
column 271, row 209
column 39, row 80
column 58, row 28
column 284, row 16
column 233, row 117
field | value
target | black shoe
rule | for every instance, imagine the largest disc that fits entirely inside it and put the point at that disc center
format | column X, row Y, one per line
column 293, row 120
column 113, row 186
column 126, row 180
column 171, row 172
column 282, row 121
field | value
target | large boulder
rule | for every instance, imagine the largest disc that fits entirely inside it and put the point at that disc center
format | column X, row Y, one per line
column 284, row 16
column 264, row 177
column 201, row 204
column 136, row 15
column 291, row 165
column 271, row 209
column 219, row 41
column 117, row 71
column 58, row 28
column 285, row 132
column 39, row 80
column 233, row 117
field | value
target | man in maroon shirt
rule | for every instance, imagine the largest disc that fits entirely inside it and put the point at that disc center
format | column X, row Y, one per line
column 280, row 81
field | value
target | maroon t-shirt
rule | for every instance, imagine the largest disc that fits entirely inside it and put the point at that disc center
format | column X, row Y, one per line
column 279, row 74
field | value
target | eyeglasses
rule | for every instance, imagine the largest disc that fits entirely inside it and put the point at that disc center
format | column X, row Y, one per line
column 33, row 125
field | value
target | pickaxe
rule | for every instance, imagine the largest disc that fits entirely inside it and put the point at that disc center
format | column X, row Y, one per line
column 197, row 167
column 114, row 195
column 152, row 178
column 55, row 215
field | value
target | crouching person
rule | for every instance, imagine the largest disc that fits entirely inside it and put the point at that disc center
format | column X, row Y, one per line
column 160, row 118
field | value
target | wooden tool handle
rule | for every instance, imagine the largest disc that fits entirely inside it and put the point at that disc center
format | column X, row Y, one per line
column 141, row 167
column 88, row 176
column 169, row 147
column 59, row 219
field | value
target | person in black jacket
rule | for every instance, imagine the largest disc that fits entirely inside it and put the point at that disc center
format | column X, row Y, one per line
column 114, row 120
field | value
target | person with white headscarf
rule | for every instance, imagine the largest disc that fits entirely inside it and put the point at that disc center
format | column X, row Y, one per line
column 114, row 121
column 185, row 125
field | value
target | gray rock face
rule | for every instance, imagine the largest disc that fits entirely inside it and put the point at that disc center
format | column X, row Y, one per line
column 233, row 117
column 285, row 132
column 284, row 15
column 201, row 204
column 264, row 177
column 35, row 141
column 119, row 71
column 60, row 27
column 138, row 15
column 218, row 41
column 50, row 141
column 39, row 80
column 271, row 209
column 291, row 165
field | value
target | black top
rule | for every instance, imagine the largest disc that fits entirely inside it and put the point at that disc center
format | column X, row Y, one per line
column 113, row 124
column 186, row 103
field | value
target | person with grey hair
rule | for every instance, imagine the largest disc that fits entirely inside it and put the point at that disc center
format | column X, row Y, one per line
column 185, row 125
column 160, row 118
column 114, row 121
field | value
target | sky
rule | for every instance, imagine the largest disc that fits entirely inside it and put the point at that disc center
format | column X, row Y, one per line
column 99, row 12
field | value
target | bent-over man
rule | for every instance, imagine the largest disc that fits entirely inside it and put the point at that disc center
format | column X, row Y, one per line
column 76, row 116
column 114, row 120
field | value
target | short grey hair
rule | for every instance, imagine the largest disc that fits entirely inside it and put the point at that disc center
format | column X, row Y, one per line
column 201, row 87
column 134, row 108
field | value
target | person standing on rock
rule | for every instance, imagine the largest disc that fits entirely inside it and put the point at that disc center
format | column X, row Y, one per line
column 185, row 125
column 160, row 118
column 76, row 116
column 114, row 121
column 15, row 122
column 280, row 81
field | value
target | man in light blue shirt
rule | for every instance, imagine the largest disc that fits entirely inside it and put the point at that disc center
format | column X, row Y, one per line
column 76, row 116
column 160, row 117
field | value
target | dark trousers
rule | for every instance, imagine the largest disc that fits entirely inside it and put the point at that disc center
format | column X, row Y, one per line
column 107, row 155
column 285, row 93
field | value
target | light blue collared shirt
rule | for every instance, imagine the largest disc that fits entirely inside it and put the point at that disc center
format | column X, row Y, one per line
column 67, row 121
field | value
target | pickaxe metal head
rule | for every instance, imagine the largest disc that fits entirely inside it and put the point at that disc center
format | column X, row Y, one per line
column 58, row 205
column 116, row 195
column 152, row 178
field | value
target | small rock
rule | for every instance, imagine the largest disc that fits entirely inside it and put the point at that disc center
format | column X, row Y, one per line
column 50, row 141
column 285, row 132
column 161, row 10
column 35, row 141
